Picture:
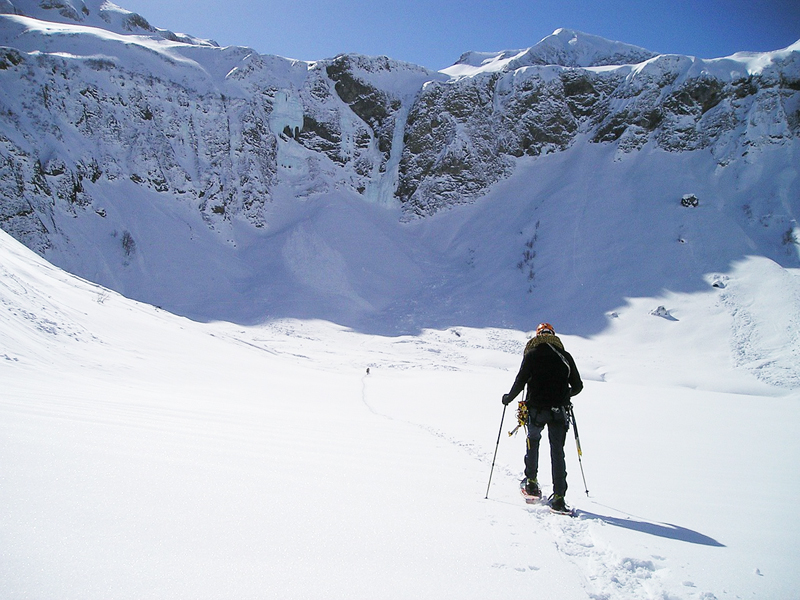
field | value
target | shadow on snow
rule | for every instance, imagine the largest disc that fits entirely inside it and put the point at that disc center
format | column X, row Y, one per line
column 665, row 530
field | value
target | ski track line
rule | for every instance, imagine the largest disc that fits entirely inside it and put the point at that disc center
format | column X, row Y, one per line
column 607, row 576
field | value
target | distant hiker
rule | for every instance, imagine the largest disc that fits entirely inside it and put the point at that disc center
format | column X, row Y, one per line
column 552, row 378
column 367, row 370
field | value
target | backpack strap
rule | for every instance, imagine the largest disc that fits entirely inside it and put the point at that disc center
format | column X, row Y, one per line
column 564, row 360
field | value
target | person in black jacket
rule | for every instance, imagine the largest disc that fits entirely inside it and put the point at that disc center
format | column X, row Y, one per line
column 552, row 378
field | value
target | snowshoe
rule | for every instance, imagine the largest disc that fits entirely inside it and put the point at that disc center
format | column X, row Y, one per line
column 559, row 506
column 530, row 491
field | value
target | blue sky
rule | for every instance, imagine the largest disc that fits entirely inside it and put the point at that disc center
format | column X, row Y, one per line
column 434, row 33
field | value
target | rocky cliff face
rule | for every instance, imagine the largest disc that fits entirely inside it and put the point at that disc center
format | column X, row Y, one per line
column 463, row 134
column 99, row 96
column 221, row 129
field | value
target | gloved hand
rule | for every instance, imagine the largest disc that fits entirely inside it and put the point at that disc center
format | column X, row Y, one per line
column 506, row 399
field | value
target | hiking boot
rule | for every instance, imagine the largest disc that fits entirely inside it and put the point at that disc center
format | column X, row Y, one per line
column 530, row 487
column 558, row 504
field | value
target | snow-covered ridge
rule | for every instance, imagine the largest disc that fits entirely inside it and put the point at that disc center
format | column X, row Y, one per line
column 94, row 13
column 575, row 49
column 564, row 47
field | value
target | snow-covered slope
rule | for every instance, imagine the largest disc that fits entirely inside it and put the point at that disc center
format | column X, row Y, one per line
column 146, row 455
column 100, row 14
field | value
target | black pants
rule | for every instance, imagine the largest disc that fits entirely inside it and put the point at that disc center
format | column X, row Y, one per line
column 557, row 426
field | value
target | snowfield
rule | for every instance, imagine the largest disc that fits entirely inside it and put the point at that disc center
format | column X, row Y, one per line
column 147, row 455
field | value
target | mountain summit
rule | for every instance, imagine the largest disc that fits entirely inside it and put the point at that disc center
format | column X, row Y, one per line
column 563, row 48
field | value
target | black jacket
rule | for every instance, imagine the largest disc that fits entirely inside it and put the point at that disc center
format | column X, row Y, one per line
column 550, row 381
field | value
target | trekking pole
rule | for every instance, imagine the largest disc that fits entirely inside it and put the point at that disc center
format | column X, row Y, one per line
column 578, row 444
column 495, row 451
